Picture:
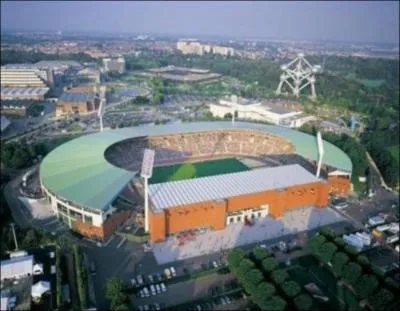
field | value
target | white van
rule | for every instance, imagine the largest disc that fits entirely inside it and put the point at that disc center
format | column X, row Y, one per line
column 173, row 272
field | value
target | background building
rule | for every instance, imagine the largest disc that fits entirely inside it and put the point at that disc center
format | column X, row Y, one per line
column 275, row 112
column 194, row 47
column 114, row 64
column 78, row 100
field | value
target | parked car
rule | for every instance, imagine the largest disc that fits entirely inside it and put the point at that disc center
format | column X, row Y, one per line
column 228, row 300
column 173, row 272
column 157, row 306
column 133, row 282
column 159, row 277
column 167, row 273
column 163, row 287
column 139, row 279
column 151, row 279
column 153, row 290
column 215, row 265
column 158, row 288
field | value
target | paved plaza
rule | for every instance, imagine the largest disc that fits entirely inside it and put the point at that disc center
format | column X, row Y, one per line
column 39, row 208
column 238, row 234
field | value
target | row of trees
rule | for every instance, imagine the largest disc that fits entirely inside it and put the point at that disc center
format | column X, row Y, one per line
column 352, row 270
column 15, row 57
column 16, row 155
column 116, row 293
column 269, row 287
column 81, row 277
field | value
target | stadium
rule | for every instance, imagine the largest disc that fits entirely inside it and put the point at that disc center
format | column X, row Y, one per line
column 207, row 175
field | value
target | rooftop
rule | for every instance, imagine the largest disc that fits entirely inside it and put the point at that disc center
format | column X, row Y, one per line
column 176, row 193
column 77, row 97
column 77, row 170
column 23, row 91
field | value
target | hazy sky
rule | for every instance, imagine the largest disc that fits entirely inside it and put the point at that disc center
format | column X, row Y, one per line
column 355, row 21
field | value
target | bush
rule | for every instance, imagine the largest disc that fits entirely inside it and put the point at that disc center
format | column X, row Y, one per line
column 339, row 242
column 235, row 257
column 115, row 291
column 325, row 251
column 274, row 303
column 316, row 241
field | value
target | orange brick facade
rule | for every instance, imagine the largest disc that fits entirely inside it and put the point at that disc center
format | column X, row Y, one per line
column 339, row 185
column 105, row 231
column 213, row 214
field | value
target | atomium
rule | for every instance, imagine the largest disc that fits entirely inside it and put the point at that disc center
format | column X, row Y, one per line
column 297, row 75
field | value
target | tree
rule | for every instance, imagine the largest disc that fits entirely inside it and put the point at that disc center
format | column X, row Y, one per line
column 350, row 251
column 366, row 285
column 260, row 253
column 274, row 303
column 363, row 261
column 351, row 273
column 325, row 251
column 115, row 288
column 303, row 302
column 31, row 239
column 339, row 260
column 264, row 291
column 279, row 276
column 380, row 299
column 291, row 288
column 315, row 242
column 269, row 264
column 339, row 242
column 328, row 233
column 254, row 276
column 235, row 257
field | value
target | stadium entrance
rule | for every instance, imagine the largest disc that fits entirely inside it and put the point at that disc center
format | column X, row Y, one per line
column 247, row 216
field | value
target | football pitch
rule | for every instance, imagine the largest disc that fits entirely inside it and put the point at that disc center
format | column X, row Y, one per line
column 195, row 170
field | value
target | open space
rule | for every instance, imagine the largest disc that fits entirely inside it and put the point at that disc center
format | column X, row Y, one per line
column 238, row 234
column 196, row 170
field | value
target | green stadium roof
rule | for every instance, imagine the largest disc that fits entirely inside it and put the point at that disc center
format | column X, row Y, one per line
column 77, row 170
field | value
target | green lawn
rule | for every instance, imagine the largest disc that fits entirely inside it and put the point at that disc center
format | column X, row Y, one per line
column 195, row 170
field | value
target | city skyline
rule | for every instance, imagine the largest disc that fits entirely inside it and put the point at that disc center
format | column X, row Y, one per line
column 373, row 22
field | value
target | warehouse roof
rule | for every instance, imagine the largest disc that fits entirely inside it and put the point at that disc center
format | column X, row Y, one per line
column 176, row 193
column 77, row 170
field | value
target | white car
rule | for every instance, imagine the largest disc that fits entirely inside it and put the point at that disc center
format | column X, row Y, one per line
column 133, row 282
column 153, row 290
column 158, row 288
column 163, row 287
column 228, row 300
column 157, row 306
column 139, row 279
column 173, row 272
column 151, row 279
column 215, row 265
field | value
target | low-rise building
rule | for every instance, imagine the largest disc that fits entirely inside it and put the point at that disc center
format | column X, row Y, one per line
column 194, row 47
column 78, row 100
column 114, row 64
column 271, row 112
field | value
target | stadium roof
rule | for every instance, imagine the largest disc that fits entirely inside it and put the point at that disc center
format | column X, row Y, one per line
column 23, row 91
column 4, row 123
column 77, row 170
column 176, row 193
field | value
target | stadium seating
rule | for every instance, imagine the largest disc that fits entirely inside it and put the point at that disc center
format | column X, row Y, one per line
column 177, row 148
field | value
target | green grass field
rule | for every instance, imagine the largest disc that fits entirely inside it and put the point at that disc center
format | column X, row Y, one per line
column 195, row 170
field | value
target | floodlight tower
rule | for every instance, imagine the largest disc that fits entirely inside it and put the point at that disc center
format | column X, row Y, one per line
column 100, row 112
column 146, row 173
column 298, row 74
column 320, row 153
